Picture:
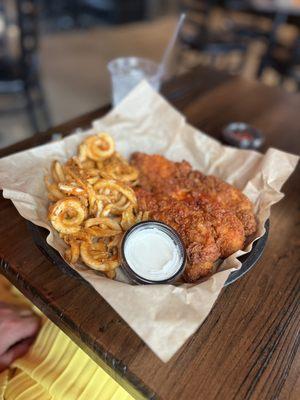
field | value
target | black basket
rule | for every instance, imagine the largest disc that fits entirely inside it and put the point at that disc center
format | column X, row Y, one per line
column 248, row 260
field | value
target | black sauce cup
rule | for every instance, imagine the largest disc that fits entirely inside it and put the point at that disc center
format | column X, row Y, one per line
column 132, row 275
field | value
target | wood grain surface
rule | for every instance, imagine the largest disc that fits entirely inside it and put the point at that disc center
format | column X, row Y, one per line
column 248, row 348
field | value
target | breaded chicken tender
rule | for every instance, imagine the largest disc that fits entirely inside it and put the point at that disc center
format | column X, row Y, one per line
column 195, row 232
column 212, row 217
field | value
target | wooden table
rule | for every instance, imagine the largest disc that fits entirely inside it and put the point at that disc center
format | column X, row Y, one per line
column 248, row 348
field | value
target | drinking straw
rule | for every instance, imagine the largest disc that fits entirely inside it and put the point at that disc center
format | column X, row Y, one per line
column 167, row 53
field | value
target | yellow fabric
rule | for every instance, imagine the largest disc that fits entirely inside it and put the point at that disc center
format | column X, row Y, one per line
column 55, row 368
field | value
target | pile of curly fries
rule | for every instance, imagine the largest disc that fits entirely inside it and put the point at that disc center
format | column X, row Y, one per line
column 93, row 204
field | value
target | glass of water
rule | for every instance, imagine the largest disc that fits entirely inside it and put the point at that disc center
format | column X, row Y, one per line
column 128, row 72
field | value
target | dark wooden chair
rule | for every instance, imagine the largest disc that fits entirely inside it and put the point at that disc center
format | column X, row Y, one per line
column 198, row 35
column 251, row 29
column 19, row 73
column 285, row 60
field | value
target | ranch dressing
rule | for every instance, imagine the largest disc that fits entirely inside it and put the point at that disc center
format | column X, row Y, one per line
column 153, row 251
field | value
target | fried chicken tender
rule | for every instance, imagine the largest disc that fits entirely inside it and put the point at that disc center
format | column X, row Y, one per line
column 155, row 171
column 218, row 215
column 196, row 234
column 227, row 196
column 228, row 230
column 177, row 178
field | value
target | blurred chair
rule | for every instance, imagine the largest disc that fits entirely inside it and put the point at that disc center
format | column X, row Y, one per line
column 19, row 73
column 250, row 30
column 198, row 34
column 285, row 60
column 113, row 11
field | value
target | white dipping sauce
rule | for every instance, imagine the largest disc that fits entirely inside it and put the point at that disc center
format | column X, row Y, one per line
column 152, row 254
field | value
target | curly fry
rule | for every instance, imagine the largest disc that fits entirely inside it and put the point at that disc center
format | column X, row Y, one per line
column 98, row 232
column 82, row 152
column 128, row 218
column 57, row 171
column 93, row 203
column 89, row 164
column 103, row 222
column 115, row 241
column 106, row 186
column 143, row 216
column 86, row 253
column 70, row 189
column 73, row 174
column 67, row 215
column 81, row 235
column 99, row 147
column 92, row 200
column 54, row 193
column 73, row 252
column 117, row 168
column 111, row 274
column 114, row 209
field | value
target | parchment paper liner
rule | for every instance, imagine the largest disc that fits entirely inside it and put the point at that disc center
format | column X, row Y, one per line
column 146, row 122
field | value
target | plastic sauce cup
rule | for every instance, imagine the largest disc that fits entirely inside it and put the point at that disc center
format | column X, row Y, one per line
column 152, row 253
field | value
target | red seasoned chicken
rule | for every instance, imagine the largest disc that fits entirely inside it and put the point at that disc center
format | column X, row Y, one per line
column 212, row 217
column 195, row 232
